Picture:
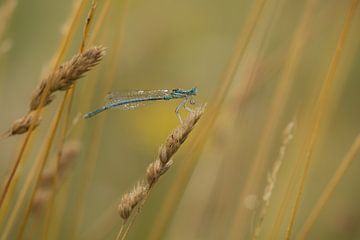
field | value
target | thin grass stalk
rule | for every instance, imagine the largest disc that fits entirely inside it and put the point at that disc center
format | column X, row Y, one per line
column 288, row 135
column 291, row 186
column 67, row 98
column 49, row 210
column 40, row 165
column 275, row 230
column 43, row 157
column 273, row 118
column 83, row 104
column 330, row 188
column 186, row 169
column 89, row 91
column 125, row 228
column 92, row 155
column 120, row 231
column 59, row 55
column 320, row 109
column 100, row 21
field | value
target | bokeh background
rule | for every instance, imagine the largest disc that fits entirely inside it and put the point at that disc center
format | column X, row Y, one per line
column 181, row 44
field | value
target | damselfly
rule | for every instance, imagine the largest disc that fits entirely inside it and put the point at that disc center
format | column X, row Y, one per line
column 135, row 99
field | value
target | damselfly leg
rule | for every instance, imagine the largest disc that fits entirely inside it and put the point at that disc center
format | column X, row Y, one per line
column 183, row 104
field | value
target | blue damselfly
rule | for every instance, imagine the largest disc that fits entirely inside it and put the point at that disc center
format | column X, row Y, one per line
column 138, row 98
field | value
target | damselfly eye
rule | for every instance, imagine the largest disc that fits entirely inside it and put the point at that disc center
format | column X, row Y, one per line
column 192, row 101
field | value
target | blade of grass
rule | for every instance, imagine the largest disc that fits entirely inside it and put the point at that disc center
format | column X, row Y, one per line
column 42, row 159
column 34, row 173
column 320, row 109
column 92, row 155
column 330, row 188
column 88, row 93
column 67, row 98
column 273, row 117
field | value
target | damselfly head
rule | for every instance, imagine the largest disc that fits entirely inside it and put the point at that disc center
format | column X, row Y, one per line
column 193, row 91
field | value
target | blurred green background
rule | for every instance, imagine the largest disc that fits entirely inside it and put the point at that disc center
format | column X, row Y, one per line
column 182, row 44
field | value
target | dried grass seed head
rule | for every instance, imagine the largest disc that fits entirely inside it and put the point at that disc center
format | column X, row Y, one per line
column 155, row 170
column 23, row 124
column 66, row 74
column 131, row 199
column 179, row 135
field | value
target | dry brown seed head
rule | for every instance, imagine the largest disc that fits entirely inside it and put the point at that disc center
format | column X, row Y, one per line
column 66, row 74
column 130, row 200
column 23, row 124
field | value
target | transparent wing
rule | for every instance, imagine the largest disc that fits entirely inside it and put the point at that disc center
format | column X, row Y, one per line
column 130, row 106
column 135, row 94
column 117, row 97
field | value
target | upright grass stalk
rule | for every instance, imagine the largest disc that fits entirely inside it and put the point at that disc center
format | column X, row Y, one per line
column 43, row 157
column 40, row 163
column 276, row 108
column 288, row 135
column 92, row 155
column 319, row 111
column 67, row 98
column 73, row 20
column 88, row 94
column 330, row 188
column 223, row 86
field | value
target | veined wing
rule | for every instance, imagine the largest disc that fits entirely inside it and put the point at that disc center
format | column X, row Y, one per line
column 126, row 98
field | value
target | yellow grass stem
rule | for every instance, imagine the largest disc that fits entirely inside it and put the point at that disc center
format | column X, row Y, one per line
column 118, row 237
column 276, row 108
column 43, row 158
column 35, row 173
column 88, row 92
column 92, row 155
column 288, row 135
column 320, row 109
column 74, row 18
column 89, row 89
column 186, row 169
column 275, row 230
column 330, row 188
column 67, row 98
column 100, row 21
